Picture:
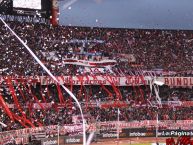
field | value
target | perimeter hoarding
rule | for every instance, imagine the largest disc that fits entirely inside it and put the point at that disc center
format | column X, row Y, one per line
column 63, row 140
column 52, row 141
column 144, row 132
column 73, row 139
column 175, row 133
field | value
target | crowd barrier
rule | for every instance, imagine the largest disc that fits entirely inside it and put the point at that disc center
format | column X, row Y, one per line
column 108, row 104
column 106, row 80
column 146, row 128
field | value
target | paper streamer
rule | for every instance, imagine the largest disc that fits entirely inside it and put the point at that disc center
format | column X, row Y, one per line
column 52, row 76
column 4, row 125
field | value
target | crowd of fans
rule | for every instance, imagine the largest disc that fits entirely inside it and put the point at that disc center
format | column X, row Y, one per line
column 135, row 103
column 134, row 50
column 146, row 49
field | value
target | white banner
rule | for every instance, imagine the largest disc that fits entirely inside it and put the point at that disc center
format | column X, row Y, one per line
column 120, row 81
column 177, row 81
column 97, row 80
column 105, row 80
column 90, row 63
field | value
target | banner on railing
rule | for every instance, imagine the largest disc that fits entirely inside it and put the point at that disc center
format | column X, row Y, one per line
column 97, row 80
column 109, row 104
column 90, row 63
column 106, row 80
column 121, row 81
column 177, row 81
column 76, row 129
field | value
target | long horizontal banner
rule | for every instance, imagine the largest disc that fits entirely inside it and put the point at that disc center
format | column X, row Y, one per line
column 63, row 140
column 97, row 80
column 120, row 81
column 169, row 124
column 143, row 132
column 109, row 104
column 107, row 80
column 177, row 81
column 102, row 126
column 89, row 63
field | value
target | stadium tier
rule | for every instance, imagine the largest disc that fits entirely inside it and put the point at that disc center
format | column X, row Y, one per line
column 112, row 72
column 145, row 49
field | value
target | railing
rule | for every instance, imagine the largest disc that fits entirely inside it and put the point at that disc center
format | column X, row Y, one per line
column 166, row 125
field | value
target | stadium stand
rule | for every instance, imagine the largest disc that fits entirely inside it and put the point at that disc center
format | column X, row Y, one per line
column 130, row 52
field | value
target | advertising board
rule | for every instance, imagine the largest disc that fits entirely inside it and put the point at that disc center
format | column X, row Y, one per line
column 52, row 141
column 73, row 140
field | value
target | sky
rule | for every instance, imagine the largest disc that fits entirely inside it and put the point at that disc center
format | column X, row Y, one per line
column 145, row 14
